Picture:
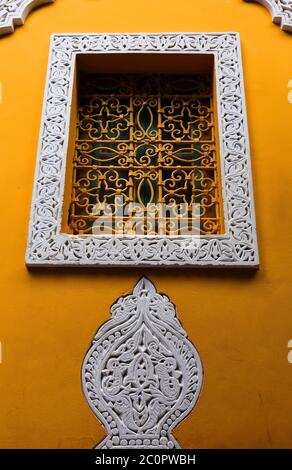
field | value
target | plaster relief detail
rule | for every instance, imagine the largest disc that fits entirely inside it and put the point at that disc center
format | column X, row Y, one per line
column 49, row 246
column 14, row 12
column 281, row 11
column 142, row 375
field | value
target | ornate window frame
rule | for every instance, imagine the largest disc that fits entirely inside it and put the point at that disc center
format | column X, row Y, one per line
column 47, row 246
column 14, row 12
column 281, row 11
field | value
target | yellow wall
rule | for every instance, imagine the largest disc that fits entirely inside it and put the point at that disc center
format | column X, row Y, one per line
column 240, row 321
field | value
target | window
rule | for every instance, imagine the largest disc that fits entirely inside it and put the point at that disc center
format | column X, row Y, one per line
column 145, row 148
column 146, row 120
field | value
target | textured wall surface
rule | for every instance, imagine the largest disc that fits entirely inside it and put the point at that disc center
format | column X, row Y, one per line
column 240, row 321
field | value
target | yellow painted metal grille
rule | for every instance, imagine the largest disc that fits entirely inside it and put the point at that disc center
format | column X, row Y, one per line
column 145, row 141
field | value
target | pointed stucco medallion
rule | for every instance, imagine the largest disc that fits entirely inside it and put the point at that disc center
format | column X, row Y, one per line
column 281, row 11
column 142, row 375
column 14, row 12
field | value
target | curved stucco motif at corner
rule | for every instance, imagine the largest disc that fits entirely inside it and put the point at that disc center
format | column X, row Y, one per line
column 14, row 12
column 281, row 11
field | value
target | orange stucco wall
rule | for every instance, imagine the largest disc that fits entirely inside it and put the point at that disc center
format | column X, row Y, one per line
column 240, row 321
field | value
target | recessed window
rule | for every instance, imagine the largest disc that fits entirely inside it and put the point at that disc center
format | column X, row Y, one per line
column 146, row 158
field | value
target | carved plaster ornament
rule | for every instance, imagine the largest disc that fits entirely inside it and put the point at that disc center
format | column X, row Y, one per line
column 281, row 11
column 142, row 375
column 14, row 12
column 49, row 245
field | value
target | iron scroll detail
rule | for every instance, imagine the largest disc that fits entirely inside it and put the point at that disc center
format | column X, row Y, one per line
column 142, row 375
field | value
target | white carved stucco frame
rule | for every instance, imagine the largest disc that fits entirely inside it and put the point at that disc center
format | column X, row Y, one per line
column 47, row 246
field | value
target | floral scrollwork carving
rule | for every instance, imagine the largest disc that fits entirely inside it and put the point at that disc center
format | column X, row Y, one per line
column 48, row 245
column 14, row 12
column 142, row 375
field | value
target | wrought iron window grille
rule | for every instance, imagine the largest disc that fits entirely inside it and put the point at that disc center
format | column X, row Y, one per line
column 145, row 160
